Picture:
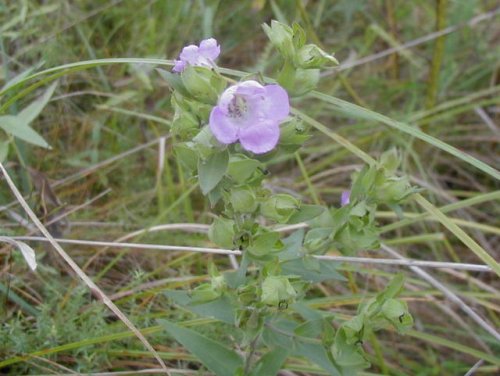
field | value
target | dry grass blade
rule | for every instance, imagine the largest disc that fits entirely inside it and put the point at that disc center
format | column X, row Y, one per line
column 152, row 371
column 93, row 287
column 218, row 251
column 474, row 368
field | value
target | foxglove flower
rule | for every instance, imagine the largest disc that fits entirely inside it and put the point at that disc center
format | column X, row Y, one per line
column 202, row 55
column 250, row 113
column 345, row 198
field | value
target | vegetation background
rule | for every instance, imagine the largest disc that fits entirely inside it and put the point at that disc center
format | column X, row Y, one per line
column 108, row 175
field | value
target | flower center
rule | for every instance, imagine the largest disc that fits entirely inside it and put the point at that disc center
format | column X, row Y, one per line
column 238, row 107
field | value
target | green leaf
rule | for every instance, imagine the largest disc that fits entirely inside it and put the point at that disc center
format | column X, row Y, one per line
column 280, row 333
column 293, row 134
column 270, row 363
column 241, row 168
column 220, row 309
column 186, row 154
column 396, row 311
column 174, row 81
column 17, row 128
column 327, row 270
column 292, row 246
column 214, row 355
column 221, row 232
column 316, row 353
column 393, row 288
column 318, row 239
column 311, row 56
column 311, row 328
column 281, row 36
column 306, row 213
column 212, row 170
column 279, row 207
column 235, row 279
column 243, row 200
column 300, row 81
column 347, row 354
column 28, row 114
column 204, row 293
column 277, row 289
column 202, row 83
column 265, row 244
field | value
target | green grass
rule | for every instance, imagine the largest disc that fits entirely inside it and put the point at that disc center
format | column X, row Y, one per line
column 110, row 99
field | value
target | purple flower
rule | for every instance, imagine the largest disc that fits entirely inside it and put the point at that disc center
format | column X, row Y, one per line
column 250, row 113
column 345, row 198
column 202, row 56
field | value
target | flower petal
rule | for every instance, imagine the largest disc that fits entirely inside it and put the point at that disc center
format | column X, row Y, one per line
column 190, row 54
column 250, row 88
column 226, row 98
column 276, row 103
column 261, row 137
column 345, row 198
column 209, row 49
column 179, row 66
column 222, row 126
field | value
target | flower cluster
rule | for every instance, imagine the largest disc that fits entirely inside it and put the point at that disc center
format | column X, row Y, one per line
column 247, row 112
column 203, row 55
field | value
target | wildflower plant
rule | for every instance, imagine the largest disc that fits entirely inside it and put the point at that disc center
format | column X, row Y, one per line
column 226, row 135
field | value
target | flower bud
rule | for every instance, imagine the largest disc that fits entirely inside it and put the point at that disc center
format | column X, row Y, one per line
column 276, row 290
column 204, row 293
column 202, row 83
column 298, row 81
column 221, row 232
column 311, row 56
column 293, row 135
column 243, row 200
column 264, row 245
column 279, row 207
column 281, row 36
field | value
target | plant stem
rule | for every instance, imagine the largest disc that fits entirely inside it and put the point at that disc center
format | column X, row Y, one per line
column 437, row 57
column 251, row 352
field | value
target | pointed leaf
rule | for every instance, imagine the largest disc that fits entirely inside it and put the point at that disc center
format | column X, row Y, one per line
column 16, row 127
column 28, row 114
column 270, row 363
column 327, row 270
column 174, row 81
column 211, row 171
column 219, row 309
column 306, row 213
column 317, row 354
column 215, row 356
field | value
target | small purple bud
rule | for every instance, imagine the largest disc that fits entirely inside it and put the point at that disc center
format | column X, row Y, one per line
column 345, row 198
column 203, row 55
